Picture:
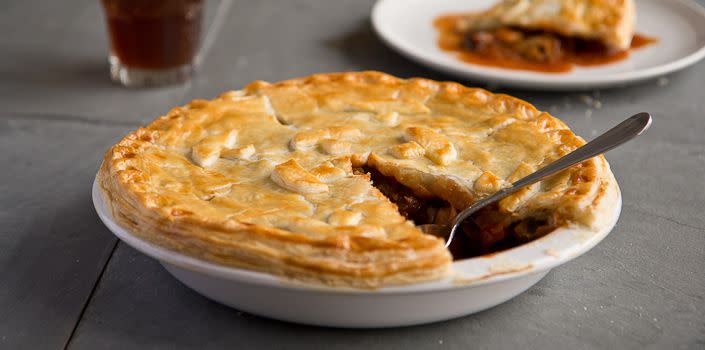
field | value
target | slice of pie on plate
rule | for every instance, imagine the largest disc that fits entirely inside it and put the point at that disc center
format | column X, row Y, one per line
column 283, row 177
column 610, row 22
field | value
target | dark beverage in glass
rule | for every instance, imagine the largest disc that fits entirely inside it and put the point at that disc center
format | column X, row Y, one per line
column 153, row 42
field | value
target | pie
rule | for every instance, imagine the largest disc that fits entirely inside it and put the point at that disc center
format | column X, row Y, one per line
column 297, row 178
column 610, row 22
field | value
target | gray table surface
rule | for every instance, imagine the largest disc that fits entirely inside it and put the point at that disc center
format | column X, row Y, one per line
column 66, row 282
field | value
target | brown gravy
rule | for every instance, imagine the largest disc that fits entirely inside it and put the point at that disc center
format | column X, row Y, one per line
column 573, row 51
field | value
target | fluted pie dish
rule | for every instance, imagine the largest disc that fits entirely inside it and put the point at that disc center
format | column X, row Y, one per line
column 317, row 184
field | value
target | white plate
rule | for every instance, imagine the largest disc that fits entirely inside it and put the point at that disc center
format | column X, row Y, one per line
column 407, row 26
column 477, row 283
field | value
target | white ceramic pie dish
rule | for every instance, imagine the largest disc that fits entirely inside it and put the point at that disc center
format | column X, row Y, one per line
column 407, row 27
column 476, row 284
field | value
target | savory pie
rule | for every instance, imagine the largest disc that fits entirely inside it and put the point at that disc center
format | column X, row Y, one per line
column 283, row 177
column 610, row 22
column 549, row 36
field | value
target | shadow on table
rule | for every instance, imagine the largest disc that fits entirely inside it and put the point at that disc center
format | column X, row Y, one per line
column 267, row 333
column 45, row 70
column 363, row 49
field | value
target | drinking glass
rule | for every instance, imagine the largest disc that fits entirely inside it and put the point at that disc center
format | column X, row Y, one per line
column 153, row 42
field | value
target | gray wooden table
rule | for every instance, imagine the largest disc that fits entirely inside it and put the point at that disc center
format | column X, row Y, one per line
column 65, row 281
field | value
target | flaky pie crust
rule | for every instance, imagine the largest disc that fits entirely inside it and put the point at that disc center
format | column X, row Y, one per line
column 262, row 178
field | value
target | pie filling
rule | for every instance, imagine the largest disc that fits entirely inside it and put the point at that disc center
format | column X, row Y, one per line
column 542, row 47
column 486, row 232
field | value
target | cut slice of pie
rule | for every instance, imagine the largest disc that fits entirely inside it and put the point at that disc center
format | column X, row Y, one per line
column 610, row 22
column 283, row 178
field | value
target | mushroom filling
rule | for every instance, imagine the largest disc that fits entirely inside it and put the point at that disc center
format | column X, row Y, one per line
column 486, row 232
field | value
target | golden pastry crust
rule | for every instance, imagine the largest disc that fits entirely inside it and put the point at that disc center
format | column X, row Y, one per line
column 256, row 178
column 609, row 21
